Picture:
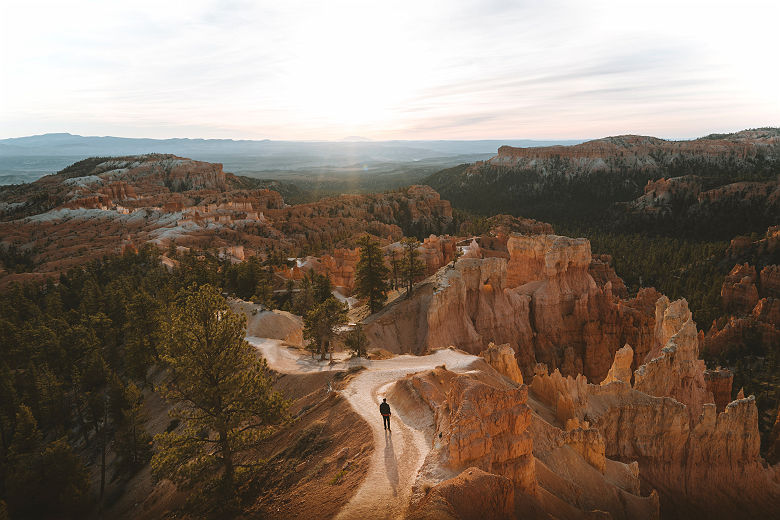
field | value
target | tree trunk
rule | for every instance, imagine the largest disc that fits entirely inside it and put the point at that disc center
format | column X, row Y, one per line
column 103, row 442
column 227, row 459
column 134, row 448
column 322, row 351
column 79, row 415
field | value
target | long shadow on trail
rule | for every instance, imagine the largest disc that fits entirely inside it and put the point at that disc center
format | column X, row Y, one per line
column 391, row 465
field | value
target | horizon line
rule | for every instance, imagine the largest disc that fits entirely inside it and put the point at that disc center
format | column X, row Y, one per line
column 358, row 139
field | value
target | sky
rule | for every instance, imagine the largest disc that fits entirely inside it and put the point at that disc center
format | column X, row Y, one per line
column 422, row 69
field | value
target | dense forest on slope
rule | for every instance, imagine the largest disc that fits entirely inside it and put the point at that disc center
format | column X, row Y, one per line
column 75, row 360
column 590, row 198
column 717, row 186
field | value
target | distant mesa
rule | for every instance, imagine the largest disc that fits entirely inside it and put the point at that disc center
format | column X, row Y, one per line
column 712, row 187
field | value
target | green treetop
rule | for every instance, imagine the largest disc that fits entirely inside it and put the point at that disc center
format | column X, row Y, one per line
column 413, row 267
column 321, row 322
column 371, row 274
column 223, row 391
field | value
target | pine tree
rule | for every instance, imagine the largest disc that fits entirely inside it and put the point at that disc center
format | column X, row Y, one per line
column 288, row 296
column 371, row 274
column 131, row 442
column 222, row 390
column 48, row 480
column 356, row 341
column 323, row 288
column 9, row 406
column 143, row 333
column 413, row 267
column 304, row 299
column 264, row 292
column 320, row 324
column 396, row 264
column 27, row 437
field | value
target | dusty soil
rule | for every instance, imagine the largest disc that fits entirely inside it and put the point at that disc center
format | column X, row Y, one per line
column 316, row 463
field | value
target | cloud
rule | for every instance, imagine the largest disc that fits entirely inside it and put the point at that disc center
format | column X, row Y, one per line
column 434, row 69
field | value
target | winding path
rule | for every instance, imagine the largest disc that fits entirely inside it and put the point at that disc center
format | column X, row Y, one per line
column 398, row 456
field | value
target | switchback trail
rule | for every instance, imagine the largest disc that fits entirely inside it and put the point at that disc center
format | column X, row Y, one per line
column 398, row 456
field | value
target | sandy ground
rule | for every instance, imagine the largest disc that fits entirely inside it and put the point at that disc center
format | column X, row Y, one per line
column 386, row 490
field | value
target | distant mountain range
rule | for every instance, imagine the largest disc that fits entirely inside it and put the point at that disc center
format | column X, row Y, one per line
column 24, row 159
column 356, row 147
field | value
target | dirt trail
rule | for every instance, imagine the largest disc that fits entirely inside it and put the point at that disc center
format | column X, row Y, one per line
column 397, row 456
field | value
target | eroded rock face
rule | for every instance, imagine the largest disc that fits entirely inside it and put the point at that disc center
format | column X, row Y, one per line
column 484, row 421
column 486, row 427
column 340, row 267
column 719, row 383
column 97, row 206
column 452, row 308
column 669, row 319
column 472, row 495
column 478, row 423
column 542, row 301
column 602, row 272
column 773, row 453
column 677, row 372
column 533, row 258
column 646, row 153
column 767, row 310
column 502, row 358
column 735, row 333
column 703, row 463
column 739, row 292
column 621, row 367
column 770, row 280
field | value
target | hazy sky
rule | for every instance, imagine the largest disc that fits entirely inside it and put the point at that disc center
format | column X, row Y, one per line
column 400, row 69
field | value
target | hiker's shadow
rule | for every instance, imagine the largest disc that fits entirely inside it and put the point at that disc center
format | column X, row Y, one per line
column 391, row 465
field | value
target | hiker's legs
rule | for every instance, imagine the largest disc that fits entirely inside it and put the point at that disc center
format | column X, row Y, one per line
column 386, row 421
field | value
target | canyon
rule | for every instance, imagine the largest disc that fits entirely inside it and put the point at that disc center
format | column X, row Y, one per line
column 526, row 379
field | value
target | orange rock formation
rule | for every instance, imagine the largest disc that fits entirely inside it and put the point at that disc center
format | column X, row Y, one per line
column 542, row 301
column 703, row 464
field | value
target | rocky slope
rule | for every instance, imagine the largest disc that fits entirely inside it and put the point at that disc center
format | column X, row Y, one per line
column 746, row 339
column 643, row 443
column 101, row 205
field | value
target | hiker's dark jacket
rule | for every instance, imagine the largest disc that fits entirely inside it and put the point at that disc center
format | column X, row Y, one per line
column 384, row 409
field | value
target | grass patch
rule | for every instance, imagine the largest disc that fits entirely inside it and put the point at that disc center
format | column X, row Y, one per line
column 339, row 476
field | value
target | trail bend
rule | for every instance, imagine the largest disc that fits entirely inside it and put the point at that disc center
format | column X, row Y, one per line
column 398, row 455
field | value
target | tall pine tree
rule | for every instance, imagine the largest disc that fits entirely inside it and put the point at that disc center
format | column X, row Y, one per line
column 413, row 267
column 320, row 324
column 222, row 390
column 371, row 274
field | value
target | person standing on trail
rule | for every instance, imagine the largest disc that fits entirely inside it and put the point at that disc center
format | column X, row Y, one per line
column 384, row 409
